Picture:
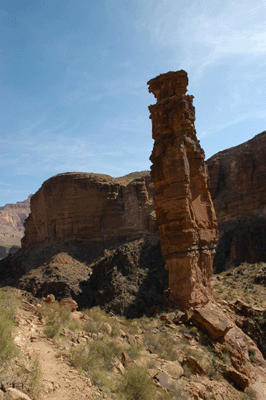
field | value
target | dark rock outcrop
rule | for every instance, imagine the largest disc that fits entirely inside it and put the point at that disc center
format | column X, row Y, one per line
column 238, row 188
column 184, row 211
column 129, row 279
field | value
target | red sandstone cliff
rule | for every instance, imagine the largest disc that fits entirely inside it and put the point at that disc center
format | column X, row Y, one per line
column 184, row 211
column 67, row 206
column 91, row 208
column 238, row 189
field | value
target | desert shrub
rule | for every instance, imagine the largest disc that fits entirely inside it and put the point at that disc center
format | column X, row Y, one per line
column 74, row 325
column 96, row 359
column 249, row 395
column 252, row 355
column 55, row 318
column 97, row 320
column 8, row 304
column 53, row 329
column 136, row 385
column 190, row 351
column 35, row 375
column 162, row 343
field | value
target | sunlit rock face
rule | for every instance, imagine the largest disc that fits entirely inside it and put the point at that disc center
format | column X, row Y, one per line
column 94, row 209
column 184, row 210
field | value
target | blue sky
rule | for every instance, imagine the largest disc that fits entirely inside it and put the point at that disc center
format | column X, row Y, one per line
column 73, row 81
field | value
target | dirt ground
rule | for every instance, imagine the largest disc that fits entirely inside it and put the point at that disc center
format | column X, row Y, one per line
column 58, row 380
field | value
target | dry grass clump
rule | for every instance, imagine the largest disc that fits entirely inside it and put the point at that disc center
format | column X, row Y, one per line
column 249, row 395
column 8, row 305
column 56, row 317
column 35, row 377
column 161, row 343
column 136, row 385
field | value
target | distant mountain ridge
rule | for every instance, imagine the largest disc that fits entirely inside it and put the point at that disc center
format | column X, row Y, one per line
column 12, row 217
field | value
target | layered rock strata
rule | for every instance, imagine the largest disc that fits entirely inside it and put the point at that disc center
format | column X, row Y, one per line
column 238, row 187
column 184, row 210
column 95, row 209
column 12, row 217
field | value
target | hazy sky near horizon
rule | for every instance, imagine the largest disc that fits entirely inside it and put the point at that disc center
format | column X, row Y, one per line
column 74, row 74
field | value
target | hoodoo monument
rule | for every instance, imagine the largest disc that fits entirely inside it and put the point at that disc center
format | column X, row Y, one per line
column 184, row 210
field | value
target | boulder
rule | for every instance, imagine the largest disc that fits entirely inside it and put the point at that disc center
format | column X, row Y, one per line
column 69, row 303
column 212, row 319
column 15, row 394
column 194, row 366
column 173, row 368
column 240, row 380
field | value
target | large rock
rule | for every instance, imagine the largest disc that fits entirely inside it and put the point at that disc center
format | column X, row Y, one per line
column 184, row 211
column 238, row 187
column 95, row 209
column 212, row 319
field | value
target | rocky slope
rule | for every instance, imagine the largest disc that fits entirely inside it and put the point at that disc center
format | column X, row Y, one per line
column 129, row 279
column 91, row 354
column 238, row 187
column 12, row 217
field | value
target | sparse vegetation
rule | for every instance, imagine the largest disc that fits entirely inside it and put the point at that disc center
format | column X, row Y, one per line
column 136, row 385
column 161, row 343
column 252, row 355
column 95, row 343
column 35, row 377
column 56, row 317
column 8, row 304
column 249, row 395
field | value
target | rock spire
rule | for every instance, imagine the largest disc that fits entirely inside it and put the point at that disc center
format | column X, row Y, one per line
column 184, row 210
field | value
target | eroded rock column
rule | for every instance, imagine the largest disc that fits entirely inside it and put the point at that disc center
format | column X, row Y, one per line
column 184, row 210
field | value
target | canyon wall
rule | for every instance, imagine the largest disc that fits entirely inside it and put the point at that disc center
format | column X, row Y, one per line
column 238, row 189
column 12, row 217
column 184, row 211
column 95, row 209
column 69, row 205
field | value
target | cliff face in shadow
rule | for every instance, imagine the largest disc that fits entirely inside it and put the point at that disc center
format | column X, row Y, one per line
column 238, row 188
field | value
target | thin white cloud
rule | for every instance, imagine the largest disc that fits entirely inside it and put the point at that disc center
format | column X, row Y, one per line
column 27, row 127
column 216, row 128
column 200, row 33
column 5, row 184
